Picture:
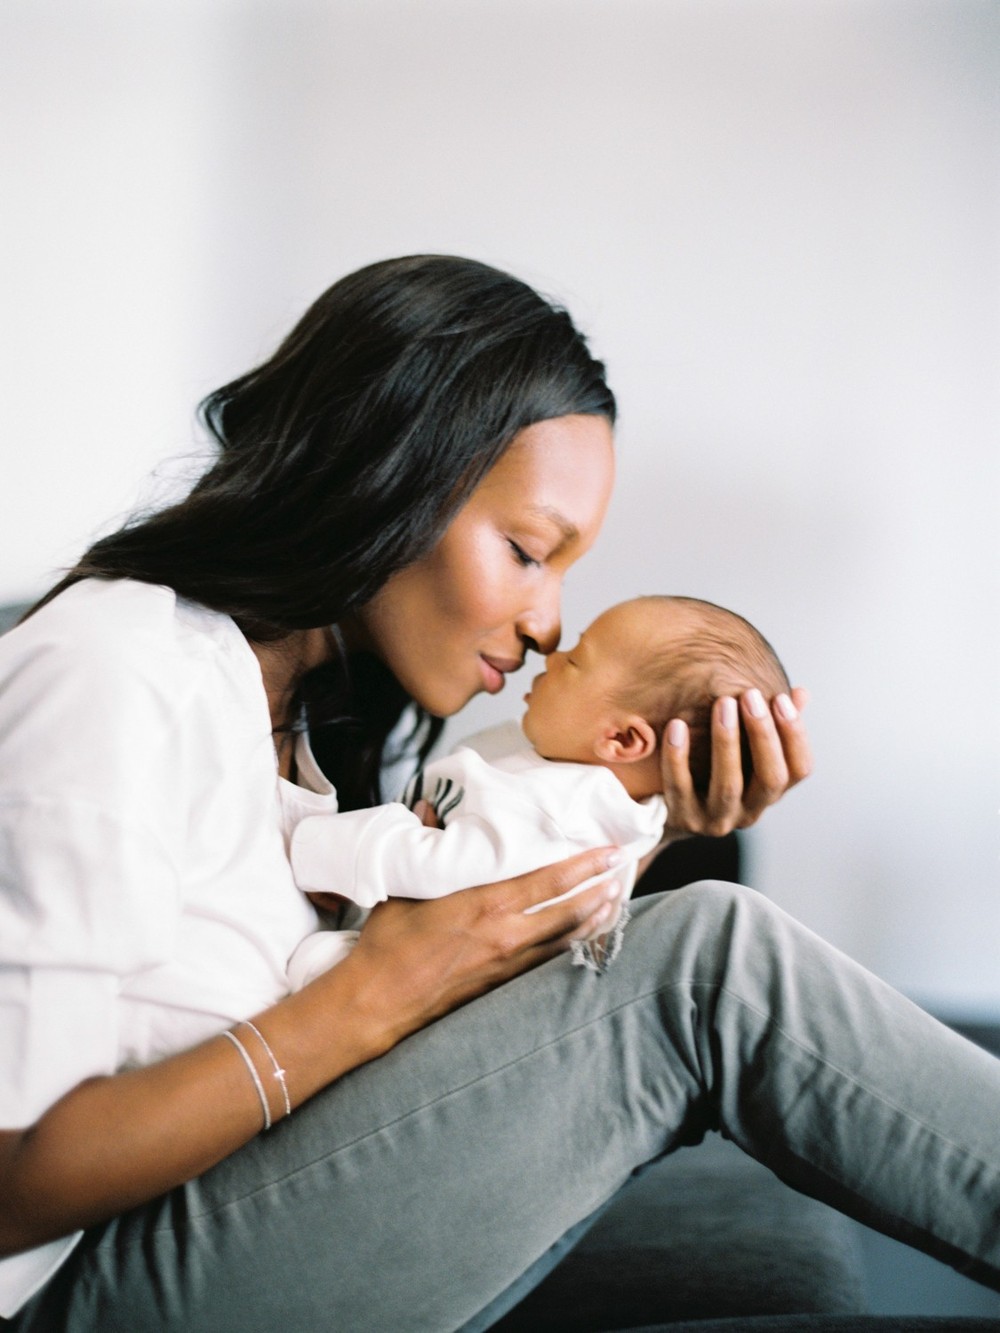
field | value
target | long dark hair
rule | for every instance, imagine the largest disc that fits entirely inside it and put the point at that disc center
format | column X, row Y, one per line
column 341, row 460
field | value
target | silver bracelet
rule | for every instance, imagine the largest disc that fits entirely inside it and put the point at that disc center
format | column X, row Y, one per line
column 279, row 1073
column 253, row 1074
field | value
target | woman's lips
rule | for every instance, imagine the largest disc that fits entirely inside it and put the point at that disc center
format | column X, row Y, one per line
column 494, row 670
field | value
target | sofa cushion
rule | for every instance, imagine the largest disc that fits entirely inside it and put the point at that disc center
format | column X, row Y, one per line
column 704, row 1233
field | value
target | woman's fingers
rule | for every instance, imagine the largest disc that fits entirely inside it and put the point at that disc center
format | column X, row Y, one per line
column 582, row 911
column 794, row 738
column 779, row 753
column 769, row 779
column 684, row 812
column 724, row 801
column 525, row 920
column 561, row 899
column 716, row 813
column 428, row 956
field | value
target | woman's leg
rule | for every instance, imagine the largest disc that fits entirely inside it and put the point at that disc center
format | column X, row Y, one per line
column 413, row 1192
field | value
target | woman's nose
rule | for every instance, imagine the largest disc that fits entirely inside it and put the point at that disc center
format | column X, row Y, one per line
column 541, row 626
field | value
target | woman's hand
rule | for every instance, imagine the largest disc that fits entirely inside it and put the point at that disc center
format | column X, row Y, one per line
column 417, row 960
column 779, row 747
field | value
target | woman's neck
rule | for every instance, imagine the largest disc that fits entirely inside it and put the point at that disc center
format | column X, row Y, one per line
column 284, row 662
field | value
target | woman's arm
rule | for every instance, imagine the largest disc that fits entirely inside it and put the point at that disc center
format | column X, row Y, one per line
column 117, row 1141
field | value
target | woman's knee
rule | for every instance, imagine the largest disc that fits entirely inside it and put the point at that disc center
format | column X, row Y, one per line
column 707, row 901
column 696, row 928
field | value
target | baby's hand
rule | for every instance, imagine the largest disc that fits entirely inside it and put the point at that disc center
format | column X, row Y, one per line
column 328, row 902
column 426, row 813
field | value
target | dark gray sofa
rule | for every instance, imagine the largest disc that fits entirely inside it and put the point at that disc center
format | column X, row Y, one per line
column 704, row 1233
column 707, row 1241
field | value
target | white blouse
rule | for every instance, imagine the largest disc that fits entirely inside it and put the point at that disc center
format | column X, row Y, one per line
column 146, row 896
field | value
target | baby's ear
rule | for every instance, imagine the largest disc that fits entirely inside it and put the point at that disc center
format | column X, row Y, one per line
column 626, row 741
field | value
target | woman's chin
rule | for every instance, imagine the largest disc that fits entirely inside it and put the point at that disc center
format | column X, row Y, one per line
column 448, row 705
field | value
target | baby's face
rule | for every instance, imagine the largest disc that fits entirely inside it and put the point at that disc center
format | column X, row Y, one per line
column 574, row 697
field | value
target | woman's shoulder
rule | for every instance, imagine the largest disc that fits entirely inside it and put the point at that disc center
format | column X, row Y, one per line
column 122, row 622
column 117, row 648
column 119, row 611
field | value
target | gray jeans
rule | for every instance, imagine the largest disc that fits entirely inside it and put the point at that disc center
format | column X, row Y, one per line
column 429, row 1189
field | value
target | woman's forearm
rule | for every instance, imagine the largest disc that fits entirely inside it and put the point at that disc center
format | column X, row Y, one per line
column 117, row 1141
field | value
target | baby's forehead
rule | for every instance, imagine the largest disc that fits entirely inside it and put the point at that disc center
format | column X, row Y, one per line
column 652, row 616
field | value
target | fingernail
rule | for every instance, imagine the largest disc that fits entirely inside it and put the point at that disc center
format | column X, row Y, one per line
column 727, row 713
column 785, row 708
column 676, row 732
column 614, row 858
column 613, row 891
column 755, row 703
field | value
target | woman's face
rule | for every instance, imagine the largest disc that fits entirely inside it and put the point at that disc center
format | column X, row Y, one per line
column 458, row 620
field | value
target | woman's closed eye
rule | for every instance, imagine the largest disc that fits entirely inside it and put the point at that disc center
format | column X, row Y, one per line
column 521, row 555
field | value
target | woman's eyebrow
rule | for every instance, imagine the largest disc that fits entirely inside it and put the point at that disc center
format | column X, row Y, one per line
column 569, row 530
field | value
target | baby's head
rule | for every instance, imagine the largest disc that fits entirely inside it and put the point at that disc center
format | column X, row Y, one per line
column 641, row 663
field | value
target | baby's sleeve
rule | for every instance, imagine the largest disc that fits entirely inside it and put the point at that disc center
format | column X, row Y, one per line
column 491, row 832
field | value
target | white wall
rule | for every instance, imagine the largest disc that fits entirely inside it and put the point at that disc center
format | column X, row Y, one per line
column 779, row 222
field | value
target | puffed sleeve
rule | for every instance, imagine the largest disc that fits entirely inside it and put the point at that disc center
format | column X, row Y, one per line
column 84, row 903
column 88, row 881
column 57, row 1027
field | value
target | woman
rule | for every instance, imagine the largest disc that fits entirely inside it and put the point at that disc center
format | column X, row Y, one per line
column 398, row 495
